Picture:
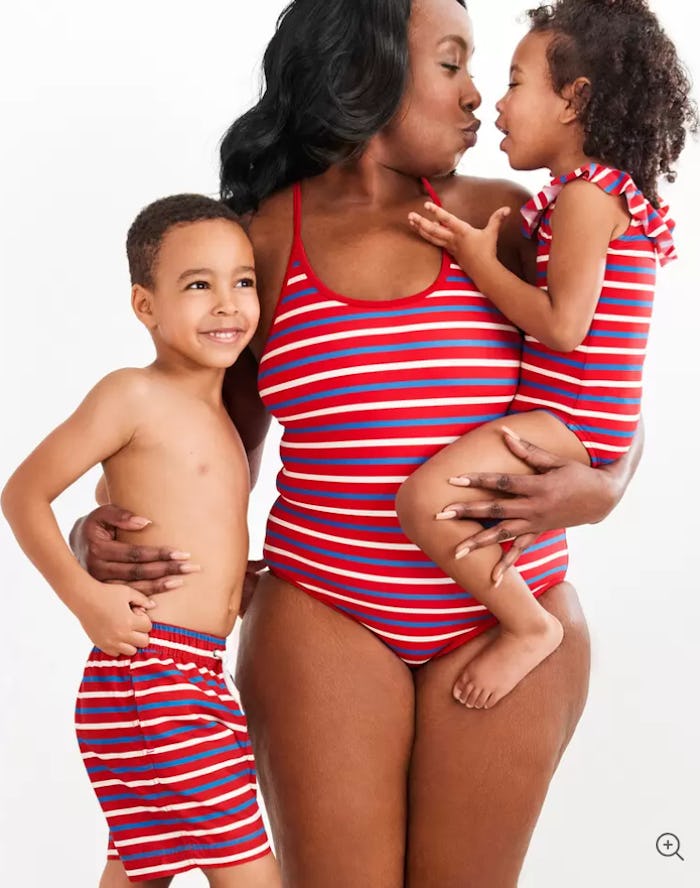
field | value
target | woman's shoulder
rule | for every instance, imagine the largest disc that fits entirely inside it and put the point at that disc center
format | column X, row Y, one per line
column 474, row 198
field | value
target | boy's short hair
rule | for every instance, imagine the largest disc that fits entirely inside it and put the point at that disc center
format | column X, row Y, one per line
column 154, row 221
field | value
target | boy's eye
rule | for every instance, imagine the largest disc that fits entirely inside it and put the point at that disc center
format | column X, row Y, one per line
column 245, row 282
column 197, row 285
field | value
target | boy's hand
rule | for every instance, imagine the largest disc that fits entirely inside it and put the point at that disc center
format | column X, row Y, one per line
column 147, row 568
column 470, row 246
column 115, row 618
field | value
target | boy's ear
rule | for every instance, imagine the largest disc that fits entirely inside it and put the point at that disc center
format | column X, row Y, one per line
column 577, row 95
column 142, row 303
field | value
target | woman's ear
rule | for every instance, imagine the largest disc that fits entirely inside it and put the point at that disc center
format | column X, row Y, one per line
column 577, row 95
column 142, row 304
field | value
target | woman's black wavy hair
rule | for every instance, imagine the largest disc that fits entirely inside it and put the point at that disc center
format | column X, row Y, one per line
column 638, row 109
column 335, row 72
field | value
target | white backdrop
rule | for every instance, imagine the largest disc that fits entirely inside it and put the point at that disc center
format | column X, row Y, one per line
column 106, row 107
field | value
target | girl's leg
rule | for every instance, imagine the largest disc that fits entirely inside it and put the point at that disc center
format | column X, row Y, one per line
column 478, row 779
column 261, row 873
column 114, row 876
column 331, row 715
column 528, row 634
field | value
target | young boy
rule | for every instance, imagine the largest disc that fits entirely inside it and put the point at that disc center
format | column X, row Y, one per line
column 164, row 742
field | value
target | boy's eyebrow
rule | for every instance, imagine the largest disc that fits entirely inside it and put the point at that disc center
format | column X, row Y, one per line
column 191, row 271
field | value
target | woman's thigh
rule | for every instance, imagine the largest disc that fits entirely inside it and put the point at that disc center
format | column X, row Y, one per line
column 479, row 778
column 331, row 716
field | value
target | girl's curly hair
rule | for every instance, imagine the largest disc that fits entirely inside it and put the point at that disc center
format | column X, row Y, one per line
column 638, row 109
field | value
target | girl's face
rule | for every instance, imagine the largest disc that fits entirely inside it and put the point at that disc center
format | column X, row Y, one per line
column 534, row 118
column 435, row 123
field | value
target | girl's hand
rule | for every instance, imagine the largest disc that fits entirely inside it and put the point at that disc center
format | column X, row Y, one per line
column 115, row 618
column 149, row 569
column 469, row 246
column 562, row 493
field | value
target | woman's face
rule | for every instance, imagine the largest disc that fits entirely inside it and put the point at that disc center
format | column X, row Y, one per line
column 435, row 123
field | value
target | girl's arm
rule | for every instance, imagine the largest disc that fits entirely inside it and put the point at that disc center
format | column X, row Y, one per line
column 100, row 427
column 584, row 221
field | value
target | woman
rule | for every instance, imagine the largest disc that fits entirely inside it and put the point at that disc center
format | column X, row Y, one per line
column 372, row 773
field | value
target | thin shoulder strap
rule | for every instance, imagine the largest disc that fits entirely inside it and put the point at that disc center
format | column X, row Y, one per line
column 431, row 192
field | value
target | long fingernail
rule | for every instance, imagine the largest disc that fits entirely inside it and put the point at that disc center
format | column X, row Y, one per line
column 180, row 556
column 498, row 582
column 448, row 514
column 190, row 568
column 459, row 481
column 173, row 583
column 511, row 433
column 460, row 553
column 140, row 521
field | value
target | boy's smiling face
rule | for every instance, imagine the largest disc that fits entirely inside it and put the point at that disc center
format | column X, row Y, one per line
column 203, row 305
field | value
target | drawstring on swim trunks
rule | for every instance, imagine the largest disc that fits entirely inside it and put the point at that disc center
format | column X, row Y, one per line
column 228, row 674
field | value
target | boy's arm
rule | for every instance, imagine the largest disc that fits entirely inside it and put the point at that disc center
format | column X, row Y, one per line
column 560, row 316
column 100, row 427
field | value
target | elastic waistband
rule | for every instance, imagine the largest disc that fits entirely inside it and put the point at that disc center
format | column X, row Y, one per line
column 185, row 640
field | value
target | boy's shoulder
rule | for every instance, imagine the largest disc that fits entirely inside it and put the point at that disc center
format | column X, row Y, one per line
column 130, row 383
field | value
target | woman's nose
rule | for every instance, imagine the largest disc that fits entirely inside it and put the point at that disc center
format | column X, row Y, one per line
column 471, row 97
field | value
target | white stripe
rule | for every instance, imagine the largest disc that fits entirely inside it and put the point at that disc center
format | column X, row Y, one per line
column 88, row 695
column 333, row 510
column 94, row 726
column 361, row 544
column 205, row 717
column 305, row 309
column 625, row 285
column 375, row 578
column 553, row 556
column 619, row 417
column 584, row 383
column 389, row 608
column 384, row 331
column 597, row 445
column 296, row 279
column 623, row 318
column 397, row 405
column 99, row 664
column 166, row 689
column 344, row 479
column 637, row 253
column 200, row 861
column 363, row 442
column 421, row 639
column 600, row 350
column 362, row 370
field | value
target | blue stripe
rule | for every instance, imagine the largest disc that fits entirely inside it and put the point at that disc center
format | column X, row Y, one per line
column 611, row 334
column 407, row 623
column 603, row 399
column 560, row 538
column 458, row 343
column 164, row 704
column 396, row 461
column 463, row 422
column 343, row 525
column 613, row 185
column 339, row 495
column 350, row 559
column 204, row 787
column 292, row 296
column 613, row 434
column 610, row 300
column 425, row 383
column 177, row 630
column 138, row 738
column 570, row 362
column 203, row 818
column 547, row 573
column 633, row 237
column 296, row 263
column 205, row 847
column 631, row 268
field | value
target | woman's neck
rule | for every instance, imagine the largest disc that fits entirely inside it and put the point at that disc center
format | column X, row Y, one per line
column 365, row 181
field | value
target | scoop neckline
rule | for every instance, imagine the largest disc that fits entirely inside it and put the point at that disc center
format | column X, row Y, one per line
column 340, row 297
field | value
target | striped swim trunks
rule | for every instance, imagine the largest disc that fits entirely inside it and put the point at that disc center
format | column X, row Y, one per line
column 167, row 751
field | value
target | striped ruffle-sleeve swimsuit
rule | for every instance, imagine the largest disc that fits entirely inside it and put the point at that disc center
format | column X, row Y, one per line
column 367, row 391
column 596, row 389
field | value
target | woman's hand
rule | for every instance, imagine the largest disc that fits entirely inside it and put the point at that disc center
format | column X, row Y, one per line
column 250, row 583
column 149, row 569
column 561, row 493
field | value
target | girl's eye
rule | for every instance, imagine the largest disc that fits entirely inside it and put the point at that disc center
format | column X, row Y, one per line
column 449, row 67
column 197, row 285
column 246, row 282
column 512, row 85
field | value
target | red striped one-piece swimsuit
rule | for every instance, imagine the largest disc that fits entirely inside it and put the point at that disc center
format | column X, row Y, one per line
column 596, row 389
column 366, row 391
